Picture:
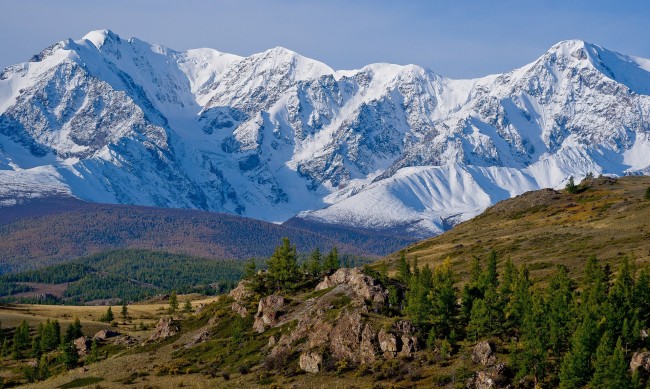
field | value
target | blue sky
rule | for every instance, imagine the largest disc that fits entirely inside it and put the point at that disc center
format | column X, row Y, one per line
column 454, row 38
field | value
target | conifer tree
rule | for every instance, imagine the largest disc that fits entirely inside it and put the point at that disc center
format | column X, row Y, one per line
column 576, row 366
column 443, row 295
column 600, row 378
column 124, row 312
column 70, row 356
column 559, row 297
column 404, row 268
column 647, row 194
column 531, row 359
column 617, row 369
column 187, row 308
column 314, row 265
column 250, row 270
column 332, row 260
column 173, row 302
column 283, row 265
column 108, row 316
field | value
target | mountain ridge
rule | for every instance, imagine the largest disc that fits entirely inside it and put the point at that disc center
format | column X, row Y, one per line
column 277, row 135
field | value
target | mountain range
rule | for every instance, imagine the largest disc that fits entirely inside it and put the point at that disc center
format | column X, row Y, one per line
column 283, row 138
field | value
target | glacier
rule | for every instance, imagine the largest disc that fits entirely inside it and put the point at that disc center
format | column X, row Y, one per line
column 276, row 136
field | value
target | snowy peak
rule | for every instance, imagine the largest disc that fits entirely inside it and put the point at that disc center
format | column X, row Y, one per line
column 275, row 134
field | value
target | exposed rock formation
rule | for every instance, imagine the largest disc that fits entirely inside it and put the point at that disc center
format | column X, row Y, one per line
column 640, row 361
column 165, row 328
column 362, row 285
column 494, row 377
column 240, row 294
column 310, row 362
column 83, row 345
column 400, row 340
column 268, row 311
column 483, row 354
column 105, row 334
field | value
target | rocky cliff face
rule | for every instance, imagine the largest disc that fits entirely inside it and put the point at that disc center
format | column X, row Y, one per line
column 386, row 147
column 333, row 325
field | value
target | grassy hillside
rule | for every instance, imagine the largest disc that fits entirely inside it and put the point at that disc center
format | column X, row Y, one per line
column 609, row 218
column 52, row 231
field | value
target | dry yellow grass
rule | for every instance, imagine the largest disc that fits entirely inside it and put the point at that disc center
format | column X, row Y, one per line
column 610, row 219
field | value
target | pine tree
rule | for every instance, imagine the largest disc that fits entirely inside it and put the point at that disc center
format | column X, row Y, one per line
column 93, row 356
column 70, row 357
column 576, row 365
column 418, row 305
column 21, row 339
column 404, row 268
column 600, row 378
column 518, row 304
column 124, row 312
column 617, row 369
column 108, row 316
column 559, row 300
column 443, row 295
column 531, row 357
column 571, row 186
column 187, row 308
column 5, row 348
column 173, row 302
column 647, row 194
column 283, row 266
column 314, row 265
column 332, row 260
column 250, row 270
column 479, row 320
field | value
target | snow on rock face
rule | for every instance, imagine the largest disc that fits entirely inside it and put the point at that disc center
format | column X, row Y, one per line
column 388, row 147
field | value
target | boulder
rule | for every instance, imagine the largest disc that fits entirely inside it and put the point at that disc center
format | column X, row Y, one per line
column 105, row 334
column 83, row 345
column 483, row 354
column 640, row 361
column 165, row 328
column 362, row 285
column 387, row 344
column 268, row 311
column 310, row 361
column 493, row 377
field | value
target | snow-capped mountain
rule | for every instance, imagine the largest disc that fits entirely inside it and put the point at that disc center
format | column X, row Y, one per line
column 273, row 135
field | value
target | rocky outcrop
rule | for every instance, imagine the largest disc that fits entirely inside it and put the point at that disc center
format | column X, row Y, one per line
column 495, row 377
column 311, row 362
column 165, row 328
column 483, row 354
column 240, row 294
column 362, row 285
column 399, row 340
column 83, row 345
column 268, row 311
column 105, row 334
column 640, row 361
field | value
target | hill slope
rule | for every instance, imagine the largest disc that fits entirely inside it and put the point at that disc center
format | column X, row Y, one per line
column 49, row 231
column 608, row 218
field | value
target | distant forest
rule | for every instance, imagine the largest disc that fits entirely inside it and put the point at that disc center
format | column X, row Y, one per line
column 49, row 233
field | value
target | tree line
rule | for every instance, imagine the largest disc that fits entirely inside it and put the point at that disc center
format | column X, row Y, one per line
column 563, row 334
